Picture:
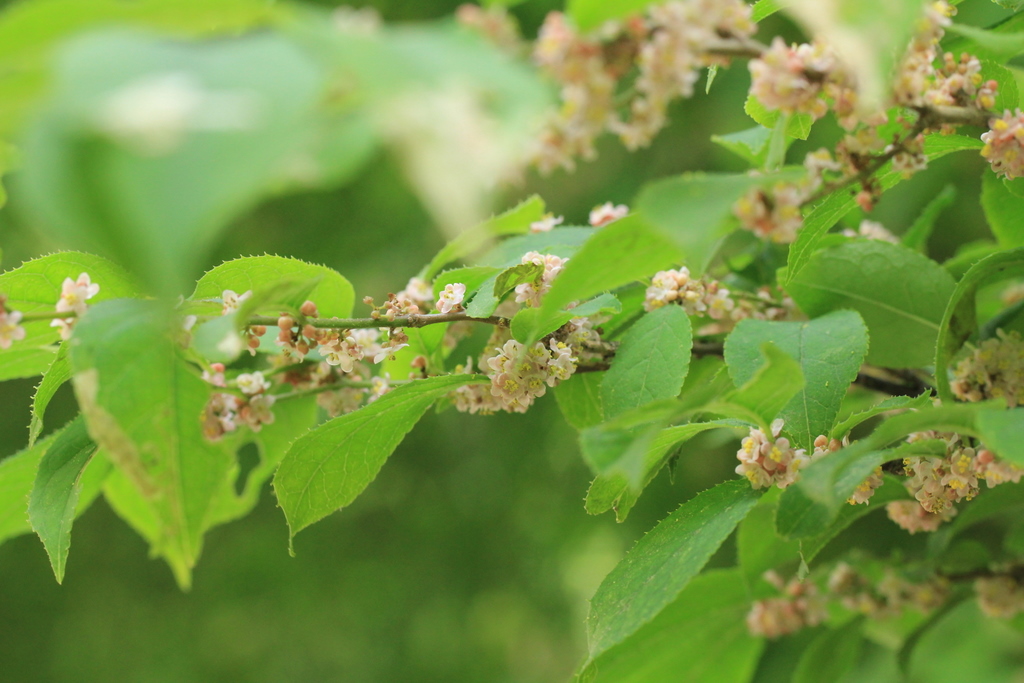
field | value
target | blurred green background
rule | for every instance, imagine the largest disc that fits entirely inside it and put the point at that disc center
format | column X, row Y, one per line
column 471, row 557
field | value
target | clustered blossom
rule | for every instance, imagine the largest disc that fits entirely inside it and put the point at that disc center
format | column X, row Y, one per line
column 1000, row 596
column 800, row 606
column 10, row 325
column 521, row 374
column 607, row 213
column 225, row 412
column 937, row 484
column 791, row 78
column 450, row 299
column 888, row 597
column 73, row 295
column 872, row 230
column 531, row 293
column 995, row 369
column 417, row 297
column 667, row 48
column 773, row 213
column 771, row 460
column 1003, row 144
column 547, row 223
column 232, row 300
column 709, row 298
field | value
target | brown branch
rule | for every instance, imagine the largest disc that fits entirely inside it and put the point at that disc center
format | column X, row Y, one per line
column 417, row 320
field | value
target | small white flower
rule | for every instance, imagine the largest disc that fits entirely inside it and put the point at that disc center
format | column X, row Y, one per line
column 607, row 213
column 10, row 328
column 74, row 294
column 233, row 300
column 451, row 297
column 252, row 383
column 547, row 223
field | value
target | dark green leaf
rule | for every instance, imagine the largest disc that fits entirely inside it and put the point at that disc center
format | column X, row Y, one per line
column 831, row 655
column 891, row 403
column 58, row 372
column 1003, row 209
column 921, row 229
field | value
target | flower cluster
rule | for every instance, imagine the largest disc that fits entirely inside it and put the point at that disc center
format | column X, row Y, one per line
column 710, row 298
column 73, row 295
column 225, row 412
column 668, row 47
column 800, row 606
column 531, row 293
column 1000, row 596
column 1003, row 144
column 872, row 230
column 771, row 460
column 791, row 78
column 520, row 374
column 886, row 597
column 995, row 369
column 607, row 213
column 10, row 325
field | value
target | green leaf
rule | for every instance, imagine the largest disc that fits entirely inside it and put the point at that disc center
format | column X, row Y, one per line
column 591, row 14
column 890, row 490
column 515, row 221
column 832, row 208
column 17, row 473
column 899, row 293
column 758, row 546
column 627, row 250
column 144, row 404
column 830, row 351
column 36, row 286
column 22, row 363
column 768, row 390
column 1001, row 431
column 695, row 208
column 471, row 276
column 530, row 324
column 751, row 145
column 1001, row 46
column 891, row 403
column 831, row 655
column 921, row 229
column 327, row 468
column 701, row 637
column 662, row 563
column 960, row 319
column 797, row 126
column 579, row 399
column 651, row 363
column 155, row 201
column 808, row 507
column 333, row 294
column 58, row 372
column 1003, row 209
column 765, row 8
column 56, row 490
column 564, row 242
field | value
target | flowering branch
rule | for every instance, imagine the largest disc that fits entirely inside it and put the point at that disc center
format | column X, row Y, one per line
column 415, row 320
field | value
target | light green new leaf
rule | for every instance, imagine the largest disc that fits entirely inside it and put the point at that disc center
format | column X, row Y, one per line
column 515, row 221
column 662, row 563
column 152, row 202
column 1001, row 46
column 765, row 8
column 20, row 363
column 58, row 372
column 694, row 209
column 144, row 405
column 327, row 468
column 830, row 351
column 471, row 276
column 530, row 324
column 701, row 637
column 832, row 208
column 333, row 294
column 36, row 286
column 751, row 145
column 900, row 294
column 798, row 126
column 57, row 487
column 831, row 655
column 760, row 399
column 629, row 249
column 1004, row 210
column 591, row 14
column 959, row 320
column 651, row 363
column 891, row 489
column 1001, row 431
column 891, row 403
column 579, row 399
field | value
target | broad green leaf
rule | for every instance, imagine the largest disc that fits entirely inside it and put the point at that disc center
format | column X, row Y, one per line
column 916, row 237
column 831, row 655
column 890, row 490
column 1001, row 431
column 29, row 32
column 808, row 507
column 17, row 474
column 701, row 637
column 515, row 221
column 695, row 208
column 36, row 286
column 899, row 293
column 564, row 242
column 333, row 294
column 591, row 14
column 948, row 417
column 832, row 208
column 471, row 276
column 830, row 351
column 530, row 324
column 144, row 406
column 55, row 493
column 327, row 468
column 1003, row 209
column 662, row 563
column 768, row 390
column 651, row 362
column 1007, row 93
column 494, row 288
column 797, row 126
column 960, row 319
column 751, row 145
column 765, row 8
column 1001, row 46
column 629, row 249
column 579, row 399
column 155, row 199
column 54, row 377
column 758, row 546
column 19, row 363
column 891, row 403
